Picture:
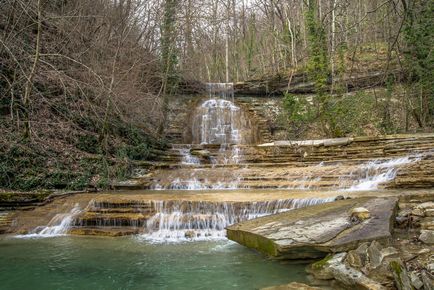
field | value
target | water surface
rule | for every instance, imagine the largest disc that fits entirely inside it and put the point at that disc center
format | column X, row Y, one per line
column 128, row 263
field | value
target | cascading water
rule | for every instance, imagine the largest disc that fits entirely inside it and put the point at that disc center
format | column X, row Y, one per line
column 221, row 90
column 187, row 220
column 58, row 225
column 187, row 157
column 217, row 121
column 370, row 175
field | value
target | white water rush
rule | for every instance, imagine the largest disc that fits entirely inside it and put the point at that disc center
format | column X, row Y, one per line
column 193, row 221
column 58, row 225
column 370, row 175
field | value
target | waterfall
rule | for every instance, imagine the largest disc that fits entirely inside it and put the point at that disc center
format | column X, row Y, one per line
column 216, row 121
column 369, row 176
column 176, row 221
column 219, row 122
column 57, row 226
column 220, row 90
column 196, row 184
column 187, row 157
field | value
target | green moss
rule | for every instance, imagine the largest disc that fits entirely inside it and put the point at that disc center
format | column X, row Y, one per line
column 321, row 263
column 397, row 270
column 37, row 196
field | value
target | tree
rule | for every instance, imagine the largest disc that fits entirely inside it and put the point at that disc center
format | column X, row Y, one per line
column 169, row 57
column 317, row 66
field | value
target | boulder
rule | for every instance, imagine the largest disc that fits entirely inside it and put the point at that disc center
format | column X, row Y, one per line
column 314, row 231
column 427, row 237
column 190, row 234
column 359, row 214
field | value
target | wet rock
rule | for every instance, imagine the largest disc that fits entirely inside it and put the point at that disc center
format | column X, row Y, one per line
column 359, row 214
column 400, row 275
column 292, row 286
column 103, row 231
column 201, row 153
column 427, row 237
column 314, row 231
column 416, row 282
column 190, row 234
column 340, row 197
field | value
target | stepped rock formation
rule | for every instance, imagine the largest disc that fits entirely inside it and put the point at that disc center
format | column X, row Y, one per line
column 396, row 161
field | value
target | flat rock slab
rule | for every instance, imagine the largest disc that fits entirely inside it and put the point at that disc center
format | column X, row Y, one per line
column 314, row 231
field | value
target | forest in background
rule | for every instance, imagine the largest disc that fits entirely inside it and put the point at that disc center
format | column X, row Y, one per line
column 85, row 85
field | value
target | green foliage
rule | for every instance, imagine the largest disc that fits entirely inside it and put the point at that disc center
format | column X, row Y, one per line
column 297, row 108
column 134, row 152
column 89, row 143
column 343, row 115
column 347, row 115
column 27, row 166
column 318, row 64
column 297, row 113
column 418, row 34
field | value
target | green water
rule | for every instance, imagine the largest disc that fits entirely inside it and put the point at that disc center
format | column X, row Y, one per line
column 127, row 263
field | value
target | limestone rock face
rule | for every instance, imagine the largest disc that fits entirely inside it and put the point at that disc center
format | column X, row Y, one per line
column 317, row 230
